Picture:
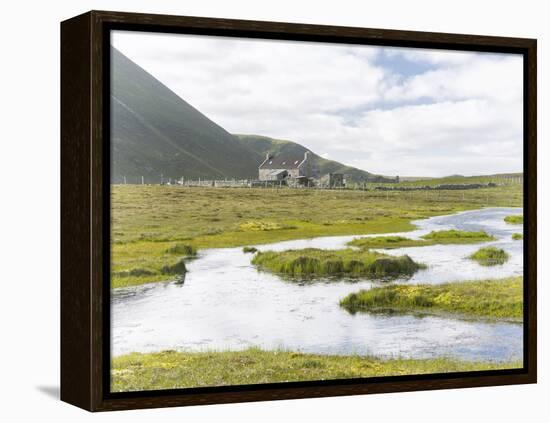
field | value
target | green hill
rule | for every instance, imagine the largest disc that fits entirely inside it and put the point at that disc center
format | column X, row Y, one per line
column 154, row 132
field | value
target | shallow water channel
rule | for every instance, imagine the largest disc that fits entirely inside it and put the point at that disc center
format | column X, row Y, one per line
column 226, row 303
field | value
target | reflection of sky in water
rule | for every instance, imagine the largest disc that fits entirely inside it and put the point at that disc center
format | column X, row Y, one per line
column 226, row 303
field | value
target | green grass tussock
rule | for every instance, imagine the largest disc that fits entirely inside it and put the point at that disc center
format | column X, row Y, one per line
column 490, row 256
column 249, row 249
column 497, row 298
column 516, row 219
column 347, row 262
column 171, row 369
column 177, row 268
column 517, row 236
column 183, row 250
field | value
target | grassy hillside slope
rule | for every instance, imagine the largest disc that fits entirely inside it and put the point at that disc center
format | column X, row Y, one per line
column 155, row 132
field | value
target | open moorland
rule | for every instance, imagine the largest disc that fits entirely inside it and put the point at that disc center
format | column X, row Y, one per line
column 156, row 230
column 148, row 221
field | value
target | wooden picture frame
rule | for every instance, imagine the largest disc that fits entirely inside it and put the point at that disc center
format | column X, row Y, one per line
column 85, row 242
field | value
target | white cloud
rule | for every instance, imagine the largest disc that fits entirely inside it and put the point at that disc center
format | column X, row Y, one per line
column 460, row 114
column 494, row 77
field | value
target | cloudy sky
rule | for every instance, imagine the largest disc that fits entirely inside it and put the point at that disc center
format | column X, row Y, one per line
column 391, row 111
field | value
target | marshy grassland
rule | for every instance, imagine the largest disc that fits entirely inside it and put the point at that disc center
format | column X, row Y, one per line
column 490, row 256
column 517, row 236
column 347, row 262
column 171, row 369
column 435, row 237
column 149, row 220
column 515, row 219
column 495, row 298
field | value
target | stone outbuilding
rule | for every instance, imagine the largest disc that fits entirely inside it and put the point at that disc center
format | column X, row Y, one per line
column 333, row 180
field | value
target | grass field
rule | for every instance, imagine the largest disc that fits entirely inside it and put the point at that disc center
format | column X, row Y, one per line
column 497, row 298
column 171, row 369
column 345, row 262
column 147, row 221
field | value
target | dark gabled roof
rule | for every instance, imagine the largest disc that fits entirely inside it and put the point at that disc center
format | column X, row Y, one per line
column 283, row 161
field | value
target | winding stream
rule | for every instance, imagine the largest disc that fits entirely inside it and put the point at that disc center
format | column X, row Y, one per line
column 226, row 303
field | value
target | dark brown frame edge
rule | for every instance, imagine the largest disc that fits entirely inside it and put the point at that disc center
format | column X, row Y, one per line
column 82, row 114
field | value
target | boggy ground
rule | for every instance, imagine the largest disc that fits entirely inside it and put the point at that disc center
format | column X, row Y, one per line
column 148, row 221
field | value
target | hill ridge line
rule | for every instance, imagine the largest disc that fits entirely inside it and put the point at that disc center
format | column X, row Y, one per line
column 166, row 138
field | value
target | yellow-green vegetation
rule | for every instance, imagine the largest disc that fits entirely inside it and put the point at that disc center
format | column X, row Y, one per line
column 147, row 220
column 517, row 236
column 249, row 249
column 496, row 298
column 515, row 219
column 171, row 369
column 347, row 262
column 490, row 256
column 434, row 237
column 453, row 236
